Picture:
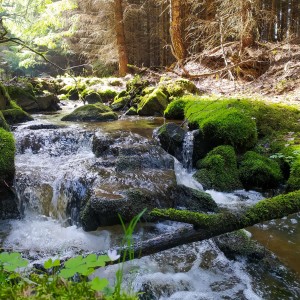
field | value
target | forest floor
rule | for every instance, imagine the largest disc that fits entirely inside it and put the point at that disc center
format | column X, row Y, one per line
column 273, row 75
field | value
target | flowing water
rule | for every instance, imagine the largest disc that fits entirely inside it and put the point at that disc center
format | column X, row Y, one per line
column 55, row 169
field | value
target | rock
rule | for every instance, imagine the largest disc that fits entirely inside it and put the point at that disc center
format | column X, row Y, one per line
column 7, row 157
column 47, row 102
column 8, row 203
column 93, row 98
column 257, row 171
column 121, row 102
column 178, row 87
column 223, row 122
column 3, row 123
column 171, row 137
column 4, row 97
column 14, row 114
column 153, row 104
column 193, row 200
column 175, row 110
column 91, row 113
column 131, row 112
column 101, row 144
column 218, row 170
column 24, row 96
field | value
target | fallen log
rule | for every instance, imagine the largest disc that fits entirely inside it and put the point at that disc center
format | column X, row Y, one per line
column 207, row 226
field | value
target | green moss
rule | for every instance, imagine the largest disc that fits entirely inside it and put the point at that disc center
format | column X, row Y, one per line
column 178, row 87
column 120, row 102
column 91, row 113
column 223, row 122
column 218, row 170
column 3, row 123
column 136, row 86
column 175, row 109
column 153, row 104
column 7, row 150
column 15, row 114
column 4, row 97
column 131, row 112
column 257, row 171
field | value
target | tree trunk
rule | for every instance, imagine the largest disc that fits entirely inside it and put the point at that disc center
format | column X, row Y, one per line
column 248, row 34
column 176, row 30
column 120, row 34
column 209, row 226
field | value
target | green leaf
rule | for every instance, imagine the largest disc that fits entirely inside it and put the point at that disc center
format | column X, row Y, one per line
column 67, row 273
column 50, row 264
column 74, row 262
column 98, row 284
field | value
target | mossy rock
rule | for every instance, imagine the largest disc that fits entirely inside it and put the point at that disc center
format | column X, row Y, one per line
column 14, row 114
column 257, row 171
column 24, row 96
column 121, row 102
column 92, row 97
column 4, row 97
column 223, row 122
column 7, row 157
column 3, row 123
column 136, row 86
column 294, row 179
column 91, row 113
column 131, row 112
column 153, row 104
column 175, row 110
column 218, row 170
column 178, row 87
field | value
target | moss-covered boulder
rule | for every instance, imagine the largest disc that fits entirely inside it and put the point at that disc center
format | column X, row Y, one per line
column 171, row 137
column 223, row 122
column 153, row 104
column 3, row 123
column 175, row 110
column 131, row 112
column 7, row 157
column 91, row 113
column 4, row 97
column 14, row 114
column 257, row 171
column 121, row 102
column 23, row 95
column 218, row 170
column 177, row 87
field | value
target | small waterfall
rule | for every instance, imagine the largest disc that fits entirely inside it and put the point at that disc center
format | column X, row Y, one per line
column 188, row 149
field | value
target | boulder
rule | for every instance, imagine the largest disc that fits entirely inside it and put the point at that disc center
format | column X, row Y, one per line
column 47, row 102
column 218, row 170
column 257, row 171
column 153, row 104
column 91, row 113
column 193, row 200
column 171, row 137
column 4, row 97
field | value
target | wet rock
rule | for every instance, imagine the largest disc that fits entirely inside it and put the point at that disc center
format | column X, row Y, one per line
column 193, row 200
column 171, row 137
column 93, row 98
column 8, row 203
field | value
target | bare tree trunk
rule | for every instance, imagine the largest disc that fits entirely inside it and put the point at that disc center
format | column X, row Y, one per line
column 120, row 34
column 176, row 30
column 247, row 36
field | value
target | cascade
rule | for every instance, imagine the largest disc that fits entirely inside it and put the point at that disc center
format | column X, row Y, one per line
column 187, row 149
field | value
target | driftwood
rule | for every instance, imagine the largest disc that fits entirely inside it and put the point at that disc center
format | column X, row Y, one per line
column 207, row 226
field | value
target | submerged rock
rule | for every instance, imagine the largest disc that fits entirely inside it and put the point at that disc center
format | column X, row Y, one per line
column 92, row 113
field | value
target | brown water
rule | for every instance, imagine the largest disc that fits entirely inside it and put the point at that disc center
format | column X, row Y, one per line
column 282, row 237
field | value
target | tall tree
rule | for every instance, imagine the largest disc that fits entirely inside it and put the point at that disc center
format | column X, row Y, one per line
column 120, row 35
column 177, row 30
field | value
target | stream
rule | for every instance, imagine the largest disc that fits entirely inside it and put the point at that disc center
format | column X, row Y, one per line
column 55, row 170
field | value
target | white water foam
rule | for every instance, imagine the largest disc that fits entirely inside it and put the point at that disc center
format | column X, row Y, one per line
column 45, row 236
